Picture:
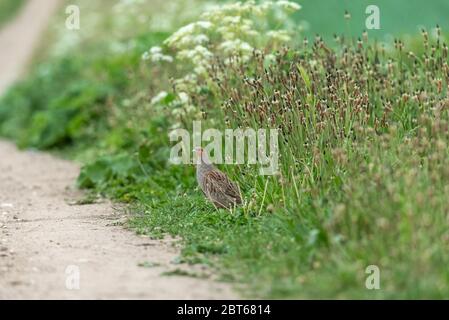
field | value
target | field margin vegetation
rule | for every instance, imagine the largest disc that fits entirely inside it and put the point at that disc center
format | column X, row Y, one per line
column 364, row 146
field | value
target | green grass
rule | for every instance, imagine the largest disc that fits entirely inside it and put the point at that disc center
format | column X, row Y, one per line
column 364, row 158
column 8, row 8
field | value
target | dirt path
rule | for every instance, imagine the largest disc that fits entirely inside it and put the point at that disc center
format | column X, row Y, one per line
column 42, row 237
column 47, row 245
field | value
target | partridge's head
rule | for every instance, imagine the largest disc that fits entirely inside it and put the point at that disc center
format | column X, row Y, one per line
column 201, row 156
column 198, row 150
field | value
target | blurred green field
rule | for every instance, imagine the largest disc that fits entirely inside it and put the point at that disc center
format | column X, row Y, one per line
column 8, row 8
column 397, row 17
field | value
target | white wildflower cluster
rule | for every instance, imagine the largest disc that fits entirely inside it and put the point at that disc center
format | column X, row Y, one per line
column 228, row 30
column 288, row 5
column 156, row 55
column 130, row 14
column 225, row 31
column 159, row 97
column 184, row 36
column 279, row 35
column 187, row 82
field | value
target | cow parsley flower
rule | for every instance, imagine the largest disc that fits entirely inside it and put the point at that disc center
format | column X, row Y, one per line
column 159, row 97
column 288, row 5
column 279, row 35
column 233, row 46
column 156, row 55
column 155, row 50
column 230, row 32
column 161, row 57
column 200, row 39
column 183, row 97
column 185, row 32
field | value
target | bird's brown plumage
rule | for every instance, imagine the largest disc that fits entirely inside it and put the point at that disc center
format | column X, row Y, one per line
column 217, row 187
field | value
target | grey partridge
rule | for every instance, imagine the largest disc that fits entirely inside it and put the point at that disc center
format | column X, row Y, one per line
column 216, row 186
